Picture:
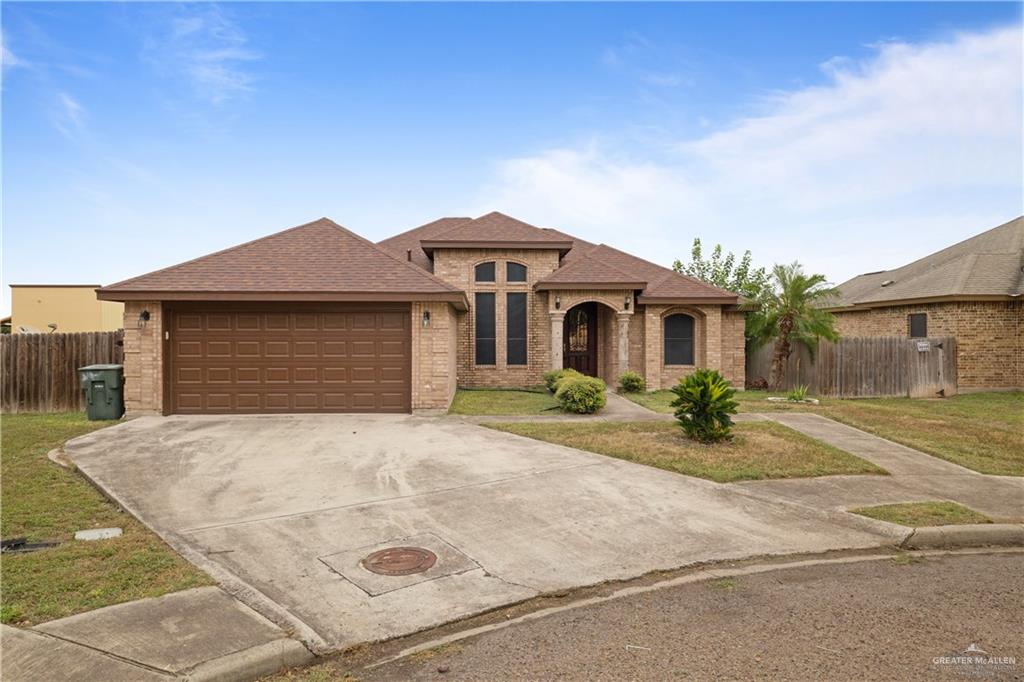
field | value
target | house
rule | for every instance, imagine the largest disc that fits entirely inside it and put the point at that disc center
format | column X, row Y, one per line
column 318, row 319
column 971, row 290
column 62, row 308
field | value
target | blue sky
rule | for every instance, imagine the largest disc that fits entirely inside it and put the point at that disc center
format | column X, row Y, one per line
column 850, row 137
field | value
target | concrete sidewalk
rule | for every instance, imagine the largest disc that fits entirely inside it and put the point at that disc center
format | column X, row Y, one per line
column 198, row 634
column 616, row 409
column 915, row 476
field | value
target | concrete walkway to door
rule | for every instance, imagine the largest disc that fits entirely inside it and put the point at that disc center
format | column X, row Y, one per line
column 282, row 510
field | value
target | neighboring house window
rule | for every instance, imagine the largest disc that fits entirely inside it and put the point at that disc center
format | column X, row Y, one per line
column 514, row 272
column 485, row 272
column 918, row 325
column 516, row 333
column 485, row 328
column 679, row 340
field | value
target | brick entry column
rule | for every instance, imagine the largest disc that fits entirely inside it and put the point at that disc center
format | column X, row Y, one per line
column 624, row 317
column 557, row 318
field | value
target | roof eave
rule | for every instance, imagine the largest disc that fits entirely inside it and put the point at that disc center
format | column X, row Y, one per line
column 681, row 300
column 428, row 245
column 456, row 298
column 946, row 298
column 562, row 286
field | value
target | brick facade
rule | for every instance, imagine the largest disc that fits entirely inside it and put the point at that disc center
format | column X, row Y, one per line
column 434, row 360
column 457, row 267
column 990, row 349
column 143, row 358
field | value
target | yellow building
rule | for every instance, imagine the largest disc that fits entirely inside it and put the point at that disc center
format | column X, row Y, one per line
column 62, row 308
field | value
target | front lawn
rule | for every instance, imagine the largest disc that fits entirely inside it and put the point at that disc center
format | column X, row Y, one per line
column 980, row 431
column 918, row 514
column 759, row 450
column 43, row 501
column 504, row 401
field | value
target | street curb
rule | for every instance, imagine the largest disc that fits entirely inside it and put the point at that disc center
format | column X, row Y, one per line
column 971, row 535
column 252, row 663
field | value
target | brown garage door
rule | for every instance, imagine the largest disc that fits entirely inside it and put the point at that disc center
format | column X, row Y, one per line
column 289, row 358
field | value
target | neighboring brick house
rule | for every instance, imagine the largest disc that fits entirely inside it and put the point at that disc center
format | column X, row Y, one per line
column 317, row 319
column 971, row 290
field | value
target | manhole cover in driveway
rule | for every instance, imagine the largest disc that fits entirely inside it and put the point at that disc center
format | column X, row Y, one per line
column 400, row 561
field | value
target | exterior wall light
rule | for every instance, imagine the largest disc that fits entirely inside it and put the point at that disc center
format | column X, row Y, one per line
column 558, row 302
column 426, row 318
column 143, row 319
column 625, row 303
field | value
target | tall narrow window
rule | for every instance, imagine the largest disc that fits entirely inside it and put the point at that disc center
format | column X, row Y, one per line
column 514, row 272
column 679, row 340
column 516, row 333
column 918, row 325
column 485, row 328
column 485, row 272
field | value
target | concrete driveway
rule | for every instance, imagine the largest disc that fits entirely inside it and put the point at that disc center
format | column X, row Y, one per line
column 281, row 509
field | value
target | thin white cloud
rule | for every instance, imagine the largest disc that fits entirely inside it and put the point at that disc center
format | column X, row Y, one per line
column 8, row 59
column 892, row 157
column 68, row 115
column 209, row 50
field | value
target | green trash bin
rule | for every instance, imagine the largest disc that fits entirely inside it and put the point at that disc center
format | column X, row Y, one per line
column 104, row 391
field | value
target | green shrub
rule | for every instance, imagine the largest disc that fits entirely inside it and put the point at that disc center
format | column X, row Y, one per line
column 552, row 378
column 799, row 393
column 581, row 394
column 631, row 382
column 703, row 404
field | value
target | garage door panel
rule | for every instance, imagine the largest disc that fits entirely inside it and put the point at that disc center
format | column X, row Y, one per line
column 315, row 359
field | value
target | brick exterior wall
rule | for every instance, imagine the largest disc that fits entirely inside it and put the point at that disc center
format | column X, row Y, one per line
column 457, row 267
column 990, row 349
column 434, row 356
column 143, row 359
column 718, row 344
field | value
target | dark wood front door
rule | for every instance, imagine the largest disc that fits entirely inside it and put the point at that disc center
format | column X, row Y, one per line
column 579, row 350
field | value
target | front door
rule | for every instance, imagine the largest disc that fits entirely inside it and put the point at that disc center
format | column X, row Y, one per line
column 579, row 351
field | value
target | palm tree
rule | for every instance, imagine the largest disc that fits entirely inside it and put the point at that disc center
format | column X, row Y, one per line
column 790, row 310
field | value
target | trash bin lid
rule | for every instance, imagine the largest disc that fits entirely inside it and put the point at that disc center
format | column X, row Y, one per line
column 99, row 368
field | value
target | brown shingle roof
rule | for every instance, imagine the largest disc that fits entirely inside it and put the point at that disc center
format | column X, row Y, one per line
column 658, row 284
column 498, row 228
column 988, row 264
column 317, row 261
column 401, row 244
column 584, row 264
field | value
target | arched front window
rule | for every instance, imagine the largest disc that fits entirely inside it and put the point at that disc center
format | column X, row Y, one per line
column 485, row 272
column 679, row 340
column 515, row 272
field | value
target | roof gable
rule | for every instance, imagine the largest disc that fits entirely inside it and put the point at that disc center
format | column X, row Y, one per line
column 320, row 257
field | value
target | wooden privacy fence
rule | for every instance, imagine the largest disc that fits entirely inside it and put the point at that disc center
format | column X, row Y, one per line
column 40, row 371
column 863, row 367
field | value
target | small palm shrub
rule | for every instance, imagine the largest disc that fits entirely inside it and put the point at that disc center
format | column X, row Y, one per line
column 798, row 394
column 704, row 403
column 580, row 394
column 552, row 378
column 631, row 382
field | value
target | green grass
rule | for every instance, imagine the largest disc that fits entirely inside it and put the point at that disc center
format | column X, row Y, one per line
column 918, row 514
column 504, row 402
column 43, row 501
column 759, row 450
column 980, row 431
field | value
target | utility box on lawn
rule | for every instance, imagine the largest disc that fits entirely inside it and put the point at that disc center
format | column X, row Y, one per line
column 104, row 391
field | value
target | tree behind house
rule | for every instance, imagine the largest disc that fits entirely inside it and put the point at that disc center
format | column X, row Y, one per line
column 723, row 271
column 787, row 311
